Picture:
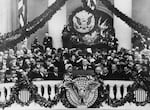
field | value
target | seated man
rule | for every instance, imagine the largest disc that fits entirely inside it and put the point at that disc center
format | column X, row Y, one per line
column 127, row 73
column 98, row 73
column 54, row 75
column 11, row 73
column 85, row 65
column 68, row 75
column 38, row 73
column 115, row 74
column 8, row 77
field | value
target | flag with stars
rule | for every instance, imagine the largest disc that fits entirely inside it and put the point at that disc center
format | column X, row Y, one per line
column 22, row 12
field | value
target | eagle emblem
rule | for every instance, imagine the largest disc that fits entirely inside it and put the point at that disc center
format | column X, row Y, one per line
column 83, row 21
column 82, row 91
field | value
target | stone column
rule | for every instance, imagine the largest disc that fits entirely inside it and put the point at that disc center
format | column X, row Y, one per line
column 123, row 31
column 5, row 16
column 56, row 25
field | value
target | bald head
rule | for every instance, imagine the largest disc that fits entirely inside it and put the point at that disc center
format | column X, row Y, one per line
column 99, row 70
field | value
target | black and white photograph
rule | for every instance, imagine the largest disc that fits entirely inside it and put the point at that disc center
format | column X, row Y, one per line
column 75, row 54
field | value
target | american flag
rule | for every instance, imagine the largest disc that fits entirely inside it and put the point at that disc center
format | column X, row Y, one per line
column 22, row 12
column 91, row 4
column 22, row 20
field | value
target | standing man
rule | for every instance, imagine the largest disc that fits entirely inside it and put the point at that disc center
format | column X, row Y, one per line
column 47, row 42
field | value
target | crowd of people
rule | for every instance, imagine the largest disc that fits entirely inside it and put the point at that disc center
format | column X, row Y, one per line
column 47, row 63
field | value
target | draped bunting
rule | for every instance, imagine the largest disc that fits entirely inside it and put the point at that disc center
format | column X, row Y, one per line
column 12, row 38
column 144, row 30
column 22, row 12
column 23, row 84
column 9, row 40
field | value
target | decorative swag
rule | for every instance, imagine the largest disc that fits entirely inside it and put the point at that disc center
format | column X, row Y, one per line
column 10, row 39
column 140, row 28
column 140, row 82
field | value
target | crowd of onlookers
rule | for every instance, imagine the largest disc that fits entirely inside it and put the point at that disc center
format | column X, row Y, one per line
column 47, row 63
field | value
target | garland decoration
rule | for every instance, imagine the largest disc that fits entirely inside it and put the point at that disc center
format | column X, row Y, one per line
column 8, row 103
column 103, row 95
column 138, row 41
column 144, row 30
column 64, row 99
column 10, row 39
column 140, row 82
column 23, row 84
column 43, row 102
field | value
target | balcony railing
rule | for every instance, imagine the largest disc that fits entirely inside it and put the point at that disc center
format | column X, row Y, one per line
column 47, row 89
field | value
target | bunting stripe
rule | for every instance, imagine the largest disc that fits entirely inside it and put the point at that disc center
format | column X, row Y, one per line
column 91, row 4
column 22, row 12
